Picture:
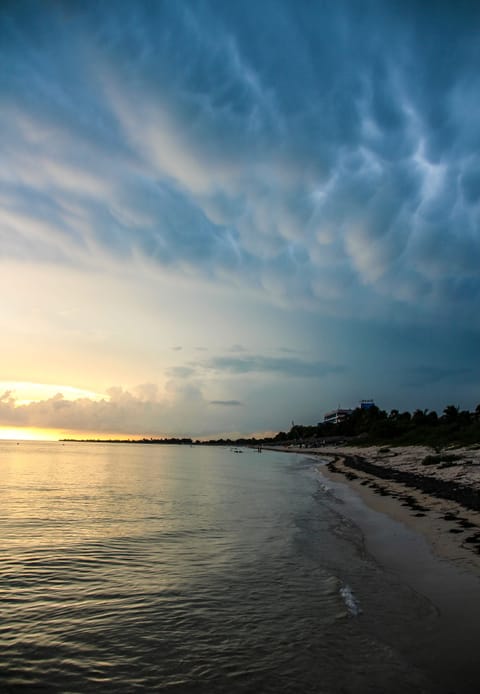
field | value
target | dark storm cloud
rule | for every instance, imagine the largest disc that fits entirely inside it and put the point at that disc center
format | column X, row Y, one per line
column 286, row 366
column 428, row 375
column 323, row 153
column 226, row 403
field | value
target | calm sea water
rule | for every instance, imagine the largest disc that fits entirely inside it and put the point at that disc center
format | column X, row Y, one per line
column 130, row 568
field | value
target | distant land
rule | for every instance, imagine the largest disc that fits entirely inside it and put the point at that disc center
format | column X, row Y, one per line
column 363, row 426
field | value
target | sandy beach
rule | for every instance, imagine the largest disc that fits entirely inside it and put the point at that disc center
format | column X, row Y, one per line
column 420, row 523
column 438, row 500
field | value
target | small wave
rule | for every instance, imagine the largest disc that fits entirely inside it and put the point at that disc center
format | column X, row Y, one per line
column 350, row 601
column 325, row 490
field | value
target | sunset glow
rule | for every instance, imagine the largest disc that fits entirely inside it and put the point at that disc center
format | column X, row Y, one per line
column 26, row 393
column 263, row 219
column 28, row 434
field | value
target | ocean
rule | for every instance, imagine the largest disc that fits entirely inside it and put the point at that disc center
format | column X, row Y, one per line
column 157, row 568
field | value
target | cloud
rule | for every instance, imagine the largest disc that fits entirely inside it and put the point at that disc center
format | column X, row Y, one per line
column 286, row 366
column 340, row 175
column 226, row 403
column 141, row 411
column 237, row 348
column 288, row 350
column 428, row 375
column 181, row 371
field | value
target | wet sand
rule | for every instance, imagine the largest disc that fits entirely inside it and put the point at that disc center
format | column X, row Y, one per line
column 429, row 540
column 451, row 528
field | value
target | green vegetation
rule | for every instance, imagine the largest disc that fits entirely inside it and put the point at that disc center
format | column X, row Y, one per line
column 445, row 458
column 377, row 427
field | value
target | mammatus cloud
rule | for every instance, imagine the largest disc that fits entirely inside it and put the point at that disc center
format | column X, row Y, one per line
column 341, row 174
column 226, row 181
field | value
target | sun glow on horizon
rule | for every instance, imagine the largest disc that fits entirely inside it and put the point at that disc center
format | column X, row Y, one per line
column 28, row 434
column 26, row 392
column 39, row 434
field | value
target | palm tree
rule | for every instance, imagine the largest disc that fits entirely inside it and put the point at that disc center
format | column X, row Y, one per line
column 450, row 413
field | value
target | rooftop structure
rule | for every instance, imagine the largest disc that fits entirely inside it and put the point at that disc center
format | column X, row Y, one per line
column 336, row 416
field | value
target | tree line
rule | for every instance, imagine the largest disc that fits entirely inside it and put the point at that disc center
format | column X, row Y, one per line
column 376, row 426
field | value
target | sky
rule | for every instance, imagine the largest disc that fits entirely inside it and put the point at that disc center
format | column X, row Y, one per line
column 219, row 217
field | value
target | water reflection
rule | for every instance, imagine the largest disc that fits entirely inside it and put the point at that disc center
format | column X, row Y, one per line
column 126, row 567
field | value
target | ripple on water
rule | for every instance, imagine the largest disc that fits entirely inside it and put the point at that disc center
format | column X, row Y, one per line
column 184, row 571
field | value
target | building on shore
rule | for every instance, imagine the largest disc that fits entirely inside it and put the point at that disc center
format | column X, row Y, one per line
column 336, row 416
column 340, row 414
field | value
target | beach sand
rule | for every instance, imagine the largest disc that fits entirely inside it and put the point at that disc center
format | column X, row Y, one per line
column 430, row 542
column 451, row 529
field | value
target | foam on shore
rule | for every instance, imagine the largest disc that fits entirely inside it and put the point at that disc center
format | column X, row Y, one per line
column 439, row 501
column 350, row 601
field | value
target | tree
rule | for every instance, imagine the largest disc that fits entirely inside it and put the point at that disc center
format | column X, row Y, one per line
column 419, row 417
column 450, row 413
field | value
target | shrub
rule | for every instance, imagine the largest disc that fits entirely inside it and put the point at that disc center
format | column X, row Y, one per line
column 440, row 458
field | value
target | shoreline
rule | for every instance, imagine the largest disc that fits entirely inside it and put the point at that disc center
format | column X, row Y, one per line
column 439, row 503
column 422, row 539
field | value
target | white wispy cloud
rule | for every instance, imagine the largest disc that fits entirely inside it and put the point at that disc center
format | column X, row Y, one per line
column 194, row 165
column 203, row 153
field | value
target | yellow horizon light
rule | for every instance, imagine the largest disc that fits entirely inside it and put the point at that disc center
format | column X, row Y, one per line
column 38, row 434
column 27, row 392
column 28, row 434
